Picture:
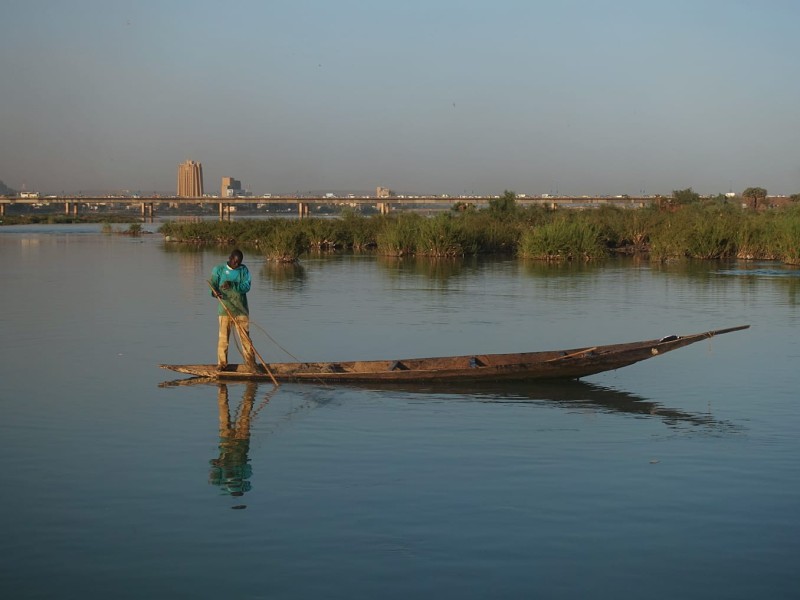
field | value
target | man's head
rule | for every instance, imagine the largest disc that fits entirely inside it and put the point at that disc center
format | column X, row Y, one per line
column 235, row 259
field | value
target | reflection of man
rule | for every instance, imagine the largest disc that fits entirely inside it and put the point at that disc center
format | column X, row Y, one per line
column 231, row 471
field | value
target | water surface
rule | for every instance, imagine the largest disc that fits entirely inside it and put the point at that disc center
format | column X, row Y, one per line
column 677, row 477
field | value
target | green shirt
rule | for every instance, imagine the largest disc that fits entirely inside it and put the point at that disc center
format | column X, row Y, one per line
column 235, row 297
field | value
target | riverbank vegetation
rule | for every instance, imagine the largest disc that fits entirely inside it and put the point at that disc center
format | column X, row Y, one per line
column 50, row 218
column 704, row 231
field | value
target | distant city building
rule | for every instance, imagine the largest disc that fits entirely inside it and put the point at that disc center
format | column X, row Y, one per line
column 190, row 179
column 231, row 188
column 382, row 192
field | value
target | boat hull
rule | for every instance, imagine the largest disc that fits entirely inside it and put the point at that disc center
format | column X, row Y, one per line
column 559, row 364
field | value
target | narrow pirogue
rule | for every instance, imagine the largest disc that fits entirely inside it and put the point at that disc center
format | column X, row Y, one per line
column 572, row 363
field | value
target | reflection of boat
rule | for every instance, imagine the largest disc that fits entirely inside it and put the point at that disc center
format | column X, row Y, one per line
column 570, row 395
column 556, row 364
column 576, row 396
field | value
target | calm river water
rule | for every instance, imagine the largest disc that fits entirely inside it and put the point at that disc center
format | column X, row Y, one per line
column 675, row 478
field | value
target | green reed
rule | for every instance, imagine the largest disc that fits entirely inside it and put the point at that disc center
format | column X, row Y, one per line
column 357, row 231
column 705, row 232
column 757, row 237
column 286, row 243
column 572, row 237
column 486, row 234
column 398, row 236
column 626, row 229
column 444, row 235
column 711, row 231
column 787, row 236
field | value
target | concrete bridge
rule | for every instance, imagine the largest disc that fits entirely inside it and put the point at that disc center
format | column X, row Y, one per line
column 148, row 205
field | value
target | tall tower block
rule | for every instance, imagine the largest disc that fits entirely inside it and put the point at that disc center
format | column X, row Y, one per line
column 190, row 179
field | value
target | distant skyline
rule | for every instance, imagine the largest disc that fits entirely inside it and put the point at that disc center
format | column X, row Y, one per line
column 423, row 97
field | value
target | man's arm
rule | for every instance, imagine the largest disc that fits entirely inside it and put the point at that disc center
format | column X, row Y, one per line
column 215, row 283
column 243, row 285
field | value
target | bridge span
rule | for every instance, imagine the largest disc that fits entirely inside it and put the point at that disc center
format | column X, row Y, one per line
column 148, row 205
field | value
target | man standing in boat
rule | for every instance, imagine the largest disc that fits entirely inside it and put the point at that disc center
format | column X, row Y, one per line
column 230, row 283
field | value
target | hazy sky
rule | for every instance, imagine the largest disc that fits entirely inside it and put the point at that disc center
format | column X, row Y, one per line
column 422, row 96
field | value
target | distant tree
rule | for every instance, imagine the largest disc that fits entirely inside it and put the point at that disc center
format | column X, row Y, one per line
column 687, row 196
column 505, row 204
column 463, row 207
column 755, row 196
column 795, row 197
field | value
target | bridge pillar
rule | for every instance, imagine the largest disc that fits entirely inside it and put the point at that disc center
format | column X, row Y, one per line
column 2, row 210
column 302, row 209
column 148, row 210
column 224, row 211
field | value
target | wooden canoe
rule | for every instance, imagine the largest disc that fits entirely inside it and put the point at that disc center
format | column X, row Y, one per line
column 572, row 363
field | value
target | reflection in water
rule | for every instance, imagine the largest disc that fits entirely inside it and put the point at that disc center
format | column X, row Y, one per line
column 754, row 278
column 566, row 268
column 231, row 471
column 567, row 394
column 772, row 274
column 440, row 270
column 289, row 276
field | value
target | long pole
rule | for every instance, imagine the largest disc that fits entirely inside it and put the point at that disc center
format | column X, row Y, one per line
column 243, row 335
